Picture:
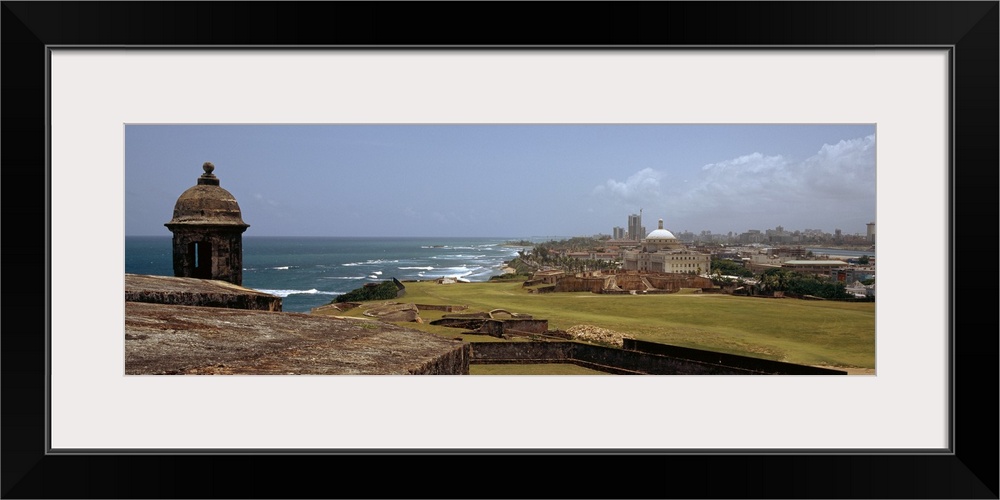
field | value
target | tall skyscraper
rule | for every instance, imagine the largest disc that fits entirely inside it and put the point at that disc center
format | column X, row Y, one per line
column 871, row 232
column 635, row 226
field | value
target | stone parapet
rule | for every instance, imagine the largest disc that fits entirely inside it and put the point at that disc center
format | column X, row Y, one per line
column 173, row 339
column 196, row 292
column 638, row 358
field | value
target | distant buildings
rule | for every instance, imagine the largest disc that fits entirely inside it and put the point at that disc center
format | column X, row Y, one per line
column 816, row 267
column 635, row 229
column 782, row 236
column 660, row 251
column 751, row 236
column 686, row 252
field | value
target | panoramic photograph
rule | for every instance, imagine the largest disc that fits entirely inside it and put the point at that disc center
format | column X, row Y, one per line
column 471, row 249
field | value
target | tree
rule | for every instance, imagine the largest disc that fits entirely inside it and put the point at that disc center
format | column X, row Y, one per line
column 774, row 280
column 728, row 267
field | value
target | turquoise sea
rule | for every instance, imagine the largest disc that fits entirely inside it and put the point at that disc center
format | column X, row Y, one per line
column 309, row 272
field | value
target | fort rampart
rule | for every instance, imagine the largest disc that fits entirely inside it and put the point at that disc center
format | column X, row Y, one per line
column 638, row 358
column 580, row 284
column 184, row 291
column 626, row 282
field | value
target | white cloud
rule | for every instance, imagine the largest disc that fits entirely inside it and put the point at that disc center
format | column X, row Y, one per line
column 845, row 170
column 832, row 188
column 640, row 188
column 835, row 185
column 262, row 199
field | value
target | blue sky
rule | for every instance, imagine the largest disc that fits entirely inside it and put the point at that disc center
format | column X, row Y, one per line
column 508, row 180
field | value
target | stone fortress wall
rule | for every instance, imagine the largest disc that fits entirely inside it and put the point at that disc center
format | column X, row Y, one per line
column 627, row 282
column 636, row 358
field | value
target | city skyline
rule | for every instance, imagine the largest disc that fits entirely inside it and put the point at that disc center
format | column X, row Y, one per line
column 624, row 231
column 508, row 180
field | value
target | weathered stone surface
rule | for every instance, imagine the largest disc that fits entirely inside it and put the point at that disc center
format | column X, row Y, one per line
column 628, row 361
column 503, row 327
column 174, row 339
column 629, row 281
column 590, row 333
column 207, row 203
column 465, row 323
column 208, row 232
column 495, row 327
column 196, row 292
column 436, row 307
column 395, row 312
column 335, row 306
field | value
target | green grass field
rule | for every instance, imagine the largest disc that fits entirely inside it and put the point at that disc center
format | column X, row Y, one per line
column 809, row 332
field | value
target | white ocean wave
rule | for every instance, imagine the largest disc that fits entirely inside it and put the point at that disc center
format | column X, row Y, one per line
column 482, row 271
column 437, row 272
column 450, row 272
column 286, row 293
column 280, row 267
column 343, row 277
column 371, row 262
column 457, row 268
column 428, row 268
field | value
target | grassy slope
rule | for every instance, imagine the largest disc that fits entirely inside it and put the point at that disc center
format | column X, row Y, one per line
column 796, row 331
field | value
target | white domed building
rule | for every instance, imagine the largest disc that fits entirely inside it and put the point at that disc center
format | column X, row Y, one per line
column 661, row 252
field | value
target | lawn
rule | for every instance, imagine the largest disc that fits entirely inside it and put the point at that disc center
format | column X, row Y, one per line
column 809, row 332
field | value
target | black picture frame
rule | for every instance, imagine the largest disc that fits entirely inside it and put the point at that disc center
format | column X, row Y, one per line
column 969, row 28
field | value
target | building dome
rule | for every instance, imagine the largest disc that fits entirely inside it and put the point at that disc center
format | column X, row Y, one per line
column 660, row 234
column 207, row 204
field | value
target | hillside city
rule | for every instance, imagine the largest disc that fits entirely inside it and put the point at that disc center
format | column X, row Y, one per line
column 807, row 263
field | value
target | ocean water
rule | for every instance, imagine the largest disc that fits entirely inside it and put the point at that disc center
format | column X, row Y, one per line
column 841, row 253
column 310, row 272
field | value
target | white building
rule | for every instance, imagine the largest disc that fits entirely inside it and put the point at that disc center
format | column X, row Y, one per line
column 662, row 252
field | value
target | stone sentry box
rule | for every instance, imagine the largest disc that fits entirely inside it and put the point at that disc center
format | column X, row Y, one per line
column 208, row 232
